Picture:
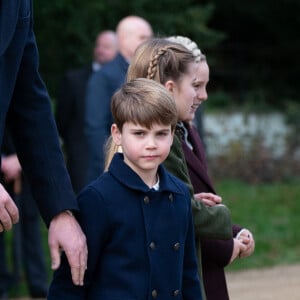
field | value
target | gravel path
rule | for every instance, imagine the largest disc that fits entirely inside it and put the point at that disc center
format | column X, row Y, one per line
column 277, row 283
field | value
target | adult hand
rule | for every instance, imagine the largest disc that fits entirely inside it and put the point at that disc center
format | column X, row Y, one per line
column 246, row 237
column 208, row 199
column 9, row 213
column 65, row 234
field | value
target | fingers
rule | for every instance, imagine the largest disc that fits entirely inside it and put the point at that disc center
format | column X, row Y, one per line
column 55, row 253
column 78, row 264
column 238, row 247
column 208, row 202
column 66, row 234
column 9, row 213
column 78, row 271
column 208, row 198
column 249, row 244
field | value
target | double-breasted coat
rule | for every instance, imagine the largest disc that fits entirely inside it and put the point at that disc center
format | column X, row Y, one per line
column 140, row 241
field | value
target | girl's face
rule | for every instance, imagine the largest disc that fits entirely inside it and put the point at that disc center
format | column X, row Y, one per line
column 190, row 91
column 144, row 149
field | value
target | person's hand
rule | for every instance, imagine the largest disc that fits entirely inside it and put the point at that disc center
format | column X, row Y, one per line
column 246, row 237
column 238, row 247
column 9, row 213
column 10, row 167
column 208, row 199
column 65, row 234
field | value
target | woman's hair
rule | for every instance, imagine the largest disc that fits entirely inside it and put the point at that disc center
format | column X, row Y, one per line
column 161, row 60
column 145, row 102
column 110, row 149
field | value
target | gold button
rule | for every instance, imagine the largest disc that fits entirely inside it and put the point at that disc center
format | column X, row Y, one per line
column 146, row 200
column 152, row 246
column 154, row 294
column 176, row 293
column 176, row 246
column 171, row 197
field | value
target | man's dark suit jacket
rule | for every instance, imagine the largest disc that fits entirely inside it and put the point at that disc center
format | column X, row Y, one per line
column 25, row 105
column 70, row 114
column 98, row 118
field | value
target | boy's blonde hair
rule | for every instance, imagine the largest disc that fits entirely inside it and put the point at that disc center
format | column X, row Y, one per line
column 145, row 102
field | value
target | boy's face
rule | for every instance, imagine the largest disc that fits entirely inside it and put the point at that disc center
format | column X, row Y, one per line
column 144, row 149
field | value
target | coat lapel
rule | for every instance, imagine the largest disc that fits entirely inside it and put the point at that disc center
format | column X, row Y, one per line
column 196, row 159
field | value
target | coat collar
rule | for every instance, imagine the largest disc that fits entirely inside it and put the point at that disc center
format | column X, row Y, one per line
column 124, row 174
column 196, row 159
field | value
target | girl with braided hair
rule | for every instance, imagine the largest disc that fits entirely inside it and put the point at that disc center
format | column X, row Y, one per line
column 179, row 65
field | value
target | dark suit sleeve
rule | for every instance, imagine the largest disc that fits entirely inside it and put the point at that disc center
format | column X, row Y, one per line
column 98, row 120
column 35, row 136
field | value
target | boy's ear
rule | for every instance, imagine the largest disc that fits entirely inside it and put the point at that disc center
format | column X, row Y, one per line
column 116, row 134
column 169, row 85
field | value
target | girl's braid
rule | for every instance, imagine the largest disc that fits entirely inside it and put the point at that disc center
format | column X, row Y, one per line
column 154, row 62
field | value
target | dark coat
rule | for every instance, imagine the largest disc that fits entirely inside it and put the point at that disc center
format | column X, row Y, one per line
column 70, row 115
column 100, row 89
column 215, row 253
column 25, row 103
column 140, row 241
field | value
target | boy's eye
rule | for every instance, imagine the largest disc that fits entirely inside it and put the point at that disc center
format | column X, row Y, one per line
column 163, row 133
column 139, row 133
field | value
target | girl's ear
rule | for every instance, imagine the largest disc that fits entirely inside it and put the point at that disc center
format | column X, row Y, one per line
column 169, row 85
column 116, row 134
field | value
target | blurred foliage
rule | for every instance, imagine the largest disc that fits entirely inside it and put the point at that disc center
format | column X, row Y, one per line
column 252, row 46
column 260, row 52
column 66, row 29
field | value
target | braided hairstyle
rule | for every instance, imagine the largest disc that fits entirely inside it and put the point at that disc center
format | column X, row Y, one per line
column 160, row 60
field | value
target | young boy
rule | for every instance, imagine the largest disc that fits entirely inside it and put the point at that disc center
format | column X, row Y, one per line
column 136, row 216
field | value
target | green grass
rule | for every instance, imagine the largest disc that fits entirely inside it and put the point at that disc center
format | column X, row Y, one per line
column 270, row 211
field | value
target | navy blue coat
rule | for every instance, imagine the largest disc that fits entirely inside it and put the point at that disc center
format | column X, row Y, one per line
column 140, row 241
column 24, row 101
column 98, row 118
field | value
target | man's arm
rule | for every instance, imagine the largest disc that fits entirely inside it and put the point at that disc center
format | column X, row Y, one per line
column 36, row 139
